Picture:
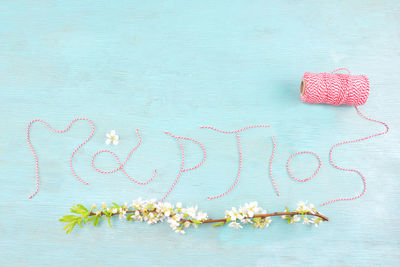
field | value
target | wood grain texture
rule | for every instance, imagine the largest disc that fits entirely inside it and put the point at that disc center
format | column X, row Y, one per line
column 178, row 65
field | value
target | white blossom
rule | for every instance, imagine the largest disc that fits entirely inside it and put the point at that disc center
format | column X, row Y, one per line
column 165, row 208
column 250, row 209
column 112, row 138
column 235, row 225
column 179, row 231
column 262, row 222
column 173, row 223
column 232, row 214
column 306, row 220
column 190, row 211
column 267, row 221
column 201, row 216
column 303, row 207
column 136, row 203
column 244, row 214
column 316, row 221
column 122, row 213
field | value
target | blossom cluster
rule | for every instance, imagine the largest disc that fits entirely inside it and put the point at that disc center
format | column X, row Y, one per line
column 303, row 208
column 112, row 137
column 152, row 212
column 245, row 215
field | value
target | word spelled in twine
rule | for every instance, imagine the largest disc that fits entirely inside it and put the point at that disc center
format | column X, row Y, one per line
column 121, row 166
column 328, row 88
column 57, row 131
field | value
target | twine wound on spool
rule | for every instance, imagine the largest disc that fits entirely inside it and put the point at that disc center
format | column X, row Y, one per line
column 334, row 88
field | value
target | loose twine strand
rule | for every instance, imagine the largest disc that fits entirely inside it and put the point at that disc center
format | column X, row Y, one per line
column 337, row 89
column 354, row 170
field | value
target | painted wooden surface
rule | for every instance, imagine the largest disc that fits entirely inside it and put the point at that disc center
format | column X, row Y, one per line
column 178, row 65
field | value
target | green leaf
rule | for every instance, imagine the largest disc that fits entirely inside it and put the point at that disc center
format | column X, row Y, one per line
column 91, row 218
column 116, row 205
column 79, row 221
column 96, row 221
column 257, row 219
column 73, row 210
column 196, row 222
column 71, row 227
column 68, row 218
column 129, row 217
column 109, row 221
column 218, row 224
column 82, row 207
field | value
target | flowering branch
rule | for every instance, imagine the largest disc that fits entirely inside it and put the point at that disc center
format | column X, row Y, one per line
column 179, row 218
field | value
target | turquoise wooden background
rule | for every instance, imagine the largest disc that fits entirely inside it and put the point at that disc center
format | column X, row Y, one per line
column 178, row 65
